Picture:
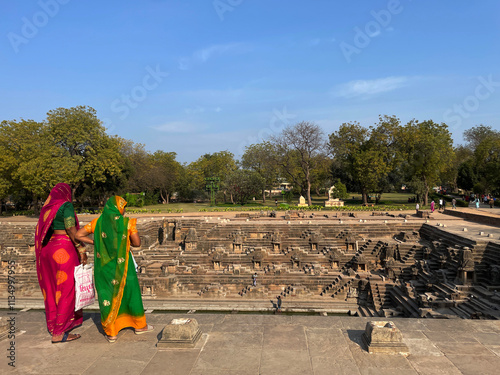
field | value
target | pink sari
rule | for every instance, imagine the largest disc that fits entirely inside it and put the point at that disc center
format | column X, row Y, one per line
column 56, row 260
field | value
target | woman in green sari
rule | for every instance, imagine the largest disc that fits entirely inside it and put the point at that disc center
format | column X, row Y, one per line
column 116, row 280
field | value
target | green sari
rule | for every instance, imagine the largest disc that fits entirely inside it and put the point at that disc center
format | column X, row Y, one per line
column 116, row 280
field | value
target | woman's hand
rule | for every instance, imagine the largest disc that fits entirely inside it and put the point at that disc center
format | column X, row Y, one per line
column 83, row 258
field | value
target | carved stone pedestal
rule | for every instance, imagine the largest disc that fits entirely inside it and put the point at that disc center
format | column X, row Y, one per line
column 334, row 203
column 384, row 337
column 180, row 333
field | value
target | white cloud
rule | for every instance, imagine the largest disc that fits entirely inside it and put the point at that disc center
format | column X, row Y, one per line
column 179, row 127
column 370, row 87
column 198, row 110
column 203, row 55
column 315, row 42
column 218, row 49
column 194, row 111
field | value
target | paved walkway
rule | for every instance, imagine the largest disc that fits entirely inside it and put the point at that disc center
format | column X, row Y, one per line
column 258, row 344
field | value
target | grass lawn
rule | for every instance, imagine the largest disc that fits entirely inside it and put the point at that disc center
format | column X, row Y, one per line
column 354, row 199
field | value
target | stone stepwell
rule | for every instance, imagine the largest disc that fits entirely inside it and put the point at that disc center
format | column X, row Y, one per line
column 382, row 266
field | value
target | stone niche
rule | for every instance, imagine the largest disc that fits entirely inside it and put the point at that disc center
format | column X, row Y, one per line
column 238, row 243
column 384, row 337
column 276, row 242
column 191, row 240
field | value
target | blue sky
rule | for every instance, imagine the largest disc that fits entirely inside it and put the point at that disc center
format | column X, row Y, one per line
column 202, row 76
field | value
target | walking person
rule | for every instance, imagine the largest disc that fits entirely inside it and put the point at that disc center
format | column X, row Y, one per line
column 454, row 204
column 57, row 254
column 432, row 206
column 254, row 279
column 417, row 207
column 477, row 203
column 278, row 304
column 116, row 282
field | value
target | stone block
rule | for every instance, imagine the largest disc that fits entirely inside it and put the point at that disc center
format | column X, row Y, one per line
column 180, row 333
column 384, row 337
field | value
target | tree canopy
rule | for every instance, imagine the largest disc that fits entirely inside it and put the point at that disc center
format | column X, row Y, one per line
column 71, row 145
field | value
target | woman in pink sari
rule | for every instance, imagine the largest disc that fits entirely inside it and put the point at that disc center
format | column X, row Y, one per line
column 57, row 255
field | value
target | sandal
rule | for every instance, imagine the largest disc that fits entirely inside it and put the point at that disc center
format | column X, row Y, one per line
column 148, row 328
column 111, row 338
column 66, row 338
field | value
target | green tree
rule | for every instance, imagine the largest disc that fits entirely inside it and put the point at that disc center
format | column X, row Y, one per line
column 344, row 146
column 477, row 134
column 261, row 159
column 34, row 159
column 136, row 164
column 297, row 150
column 8, row 162
column 243, row 184
column 219, row 164
column 164, row 174
column 428, row 151
column 466, row 177
column 339, row 191
column 89, row 154
column 487, row 162
column 360, row 157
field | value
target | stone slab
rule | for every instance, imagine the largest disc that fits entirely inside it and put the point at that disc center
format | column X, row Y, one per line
column 253, row 344
column 180, row 333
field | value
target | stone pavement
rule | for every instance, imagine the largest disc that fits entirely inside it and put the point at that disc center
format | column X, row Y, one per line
column 252, row 344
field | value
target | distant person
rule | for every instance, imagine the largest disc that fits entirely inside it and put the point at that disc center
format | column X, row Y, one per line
column 115, row 276
column 417, row 207
column 441, row 204
column 276, row 202
column 491, row 202
column 454, row 203
column 477, row 203
column 278, row 304
column 58, row 252
column 254, row 279
column 432, row 206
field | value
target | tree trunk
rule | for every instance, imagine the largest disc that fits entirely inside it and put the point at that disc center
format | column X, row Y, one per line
column 309, row 202
column 168, row 198
column 426, row 193
column 264, row 195
column 364, row 196
column 163, row 200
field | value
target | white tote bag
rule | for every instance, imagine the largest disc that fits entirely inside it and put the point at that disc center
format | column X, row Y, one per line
column 84, row 286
